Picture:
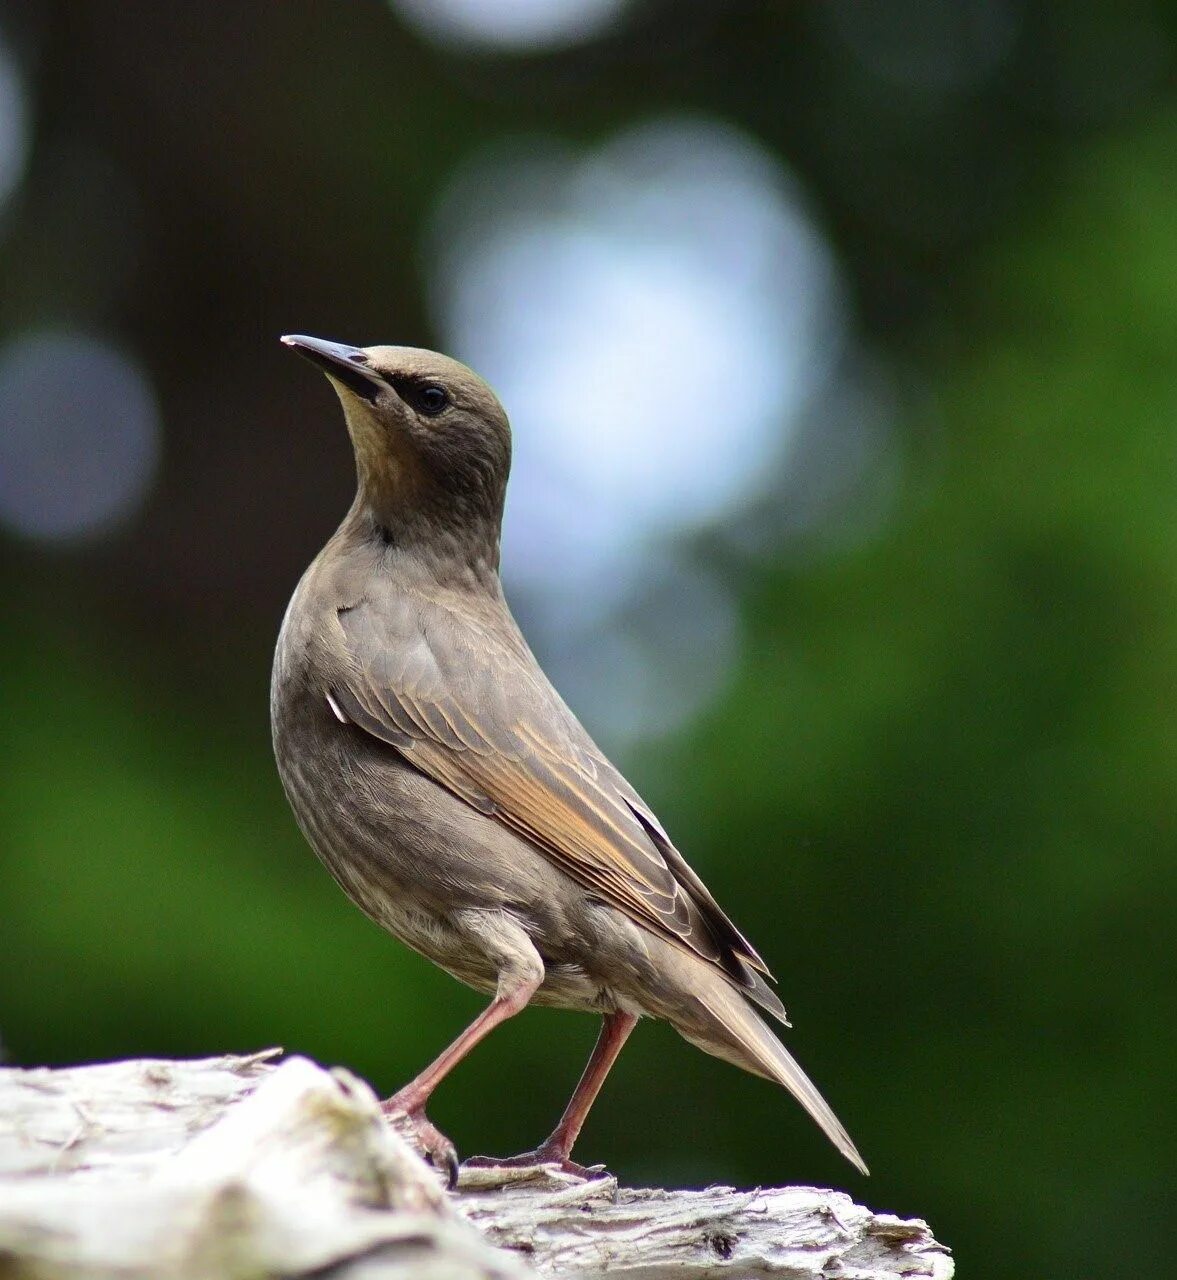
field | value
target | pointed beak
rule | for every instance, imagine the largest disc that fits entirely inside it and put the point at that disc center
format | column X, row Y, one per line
column 341, row 363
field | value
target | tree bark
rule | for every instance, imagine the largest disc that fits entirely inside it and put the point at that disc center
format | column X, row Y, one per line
column 235, row 1168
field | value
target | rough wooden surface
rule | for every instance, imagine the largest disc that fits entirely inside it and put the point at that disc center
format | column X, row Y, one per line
column 237, row 1168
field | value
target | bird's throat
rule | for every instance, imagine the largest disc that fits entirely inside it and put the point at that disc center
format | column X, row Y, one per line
column 400, row 503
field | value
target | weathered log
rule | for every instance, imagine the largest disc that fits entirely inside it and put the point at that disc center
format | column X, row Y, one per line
column 237, row 1167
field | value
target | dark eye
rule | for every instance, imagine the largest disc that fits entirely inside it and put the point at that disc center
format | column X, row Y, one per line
column 430, row 398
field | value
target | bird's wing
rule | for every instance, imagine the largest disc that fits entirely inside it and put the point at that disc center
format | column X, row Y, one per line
column 477, row 715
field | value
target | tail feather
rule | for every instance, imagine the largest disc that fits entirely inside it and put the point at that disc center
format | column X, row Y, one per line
column 733, row 1031
column 759, row 992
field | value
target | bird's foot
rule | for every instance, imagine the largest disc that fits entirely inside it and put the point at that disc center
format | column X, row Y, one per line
column 546, row 1158
column 421, row 1134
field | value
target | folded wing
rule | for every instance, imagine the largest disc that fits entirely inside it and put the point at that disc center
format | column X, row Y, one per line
column 479, row 717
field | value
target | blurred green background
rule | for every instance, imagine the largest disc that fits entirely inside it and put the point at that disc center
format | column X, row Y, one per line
column 847, row 331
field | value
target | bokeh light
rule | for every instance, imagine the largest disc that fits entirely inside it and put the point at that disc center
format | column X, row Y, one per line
column 656, row 315
column 524, row 25
column 661, row 661
column 14, row 123
column 79, row 436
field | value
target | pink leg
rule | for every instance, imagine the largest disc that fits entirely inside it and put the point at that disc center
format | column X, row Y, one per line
column 406, row 1107
column 557, row 1147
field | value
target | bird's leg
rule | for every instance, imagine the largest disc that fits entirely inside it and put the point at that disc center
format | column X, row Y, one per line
column 557, row 1147
column 406, row 1107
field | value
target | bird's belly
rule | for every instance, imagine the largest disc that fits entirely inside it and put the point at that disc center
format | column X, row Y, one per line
column 376, row 863
column 427, row 931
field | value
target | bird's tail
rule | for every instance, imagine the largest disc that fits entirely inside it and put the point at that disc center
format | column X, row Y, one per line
column 730, row 1029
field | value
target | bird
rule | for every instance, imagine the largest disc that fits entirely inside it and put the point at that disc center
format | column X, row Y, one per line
column 451, row 792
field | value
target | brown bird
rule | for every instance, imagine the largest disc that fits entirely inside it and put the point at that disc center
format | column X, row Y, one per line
column 451, row 793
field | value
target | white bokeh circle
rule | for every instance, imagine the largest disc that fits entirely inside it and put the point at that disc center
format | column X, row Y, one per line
column 655, row 316
column 525, row 26
column 79, row 435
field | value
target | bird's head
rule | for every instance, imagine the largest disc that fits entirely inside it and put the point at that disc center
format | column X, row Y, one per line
column 431, row 440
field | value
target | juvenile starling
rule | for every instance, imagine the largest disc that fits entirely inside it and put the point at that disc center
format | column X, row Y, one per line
column 452, row 794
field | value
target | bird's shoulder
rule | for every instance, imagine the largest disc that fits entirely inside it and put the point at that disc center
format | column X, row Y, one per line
column 436, row 643
column 309, row 633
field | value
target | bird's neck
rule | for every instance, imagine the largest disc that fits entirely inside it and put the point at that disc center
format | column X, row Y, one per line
column 453, row 548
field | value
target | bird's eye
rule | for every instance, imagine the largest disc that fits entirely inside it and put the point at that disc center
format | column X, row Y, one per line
column 428, row 398
column 431, row 399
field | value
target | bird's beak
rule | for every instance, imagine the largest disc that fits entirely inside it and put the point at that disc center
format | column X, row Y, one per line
column 341, row 363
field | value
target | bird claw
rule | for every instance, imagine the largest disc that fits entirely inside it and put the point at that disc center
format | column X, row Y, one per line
column 540, row 1160
column 425, row 1138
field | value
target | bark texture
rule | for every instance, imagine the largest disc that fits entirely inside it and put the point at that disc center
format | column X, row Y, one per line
column 237, row 1168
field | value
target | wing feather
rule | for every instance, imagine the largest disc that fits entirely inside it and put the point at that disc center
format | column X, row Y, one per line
column 481, row 720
